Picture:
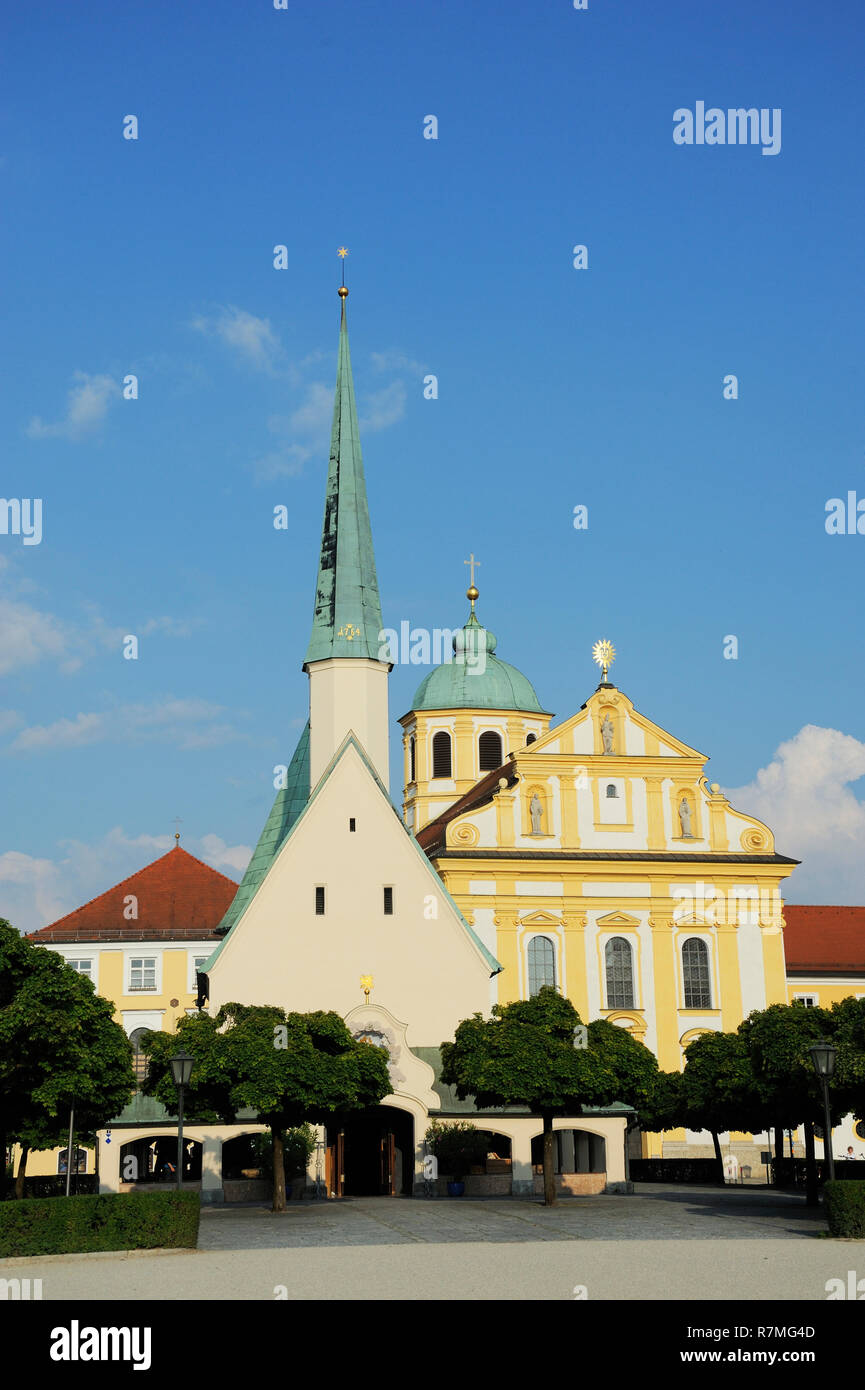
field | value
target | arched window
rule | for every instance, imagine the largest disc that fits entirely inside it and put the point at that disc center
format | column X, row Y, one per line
column 489, row 751
column 695, row 972
column 441, row 754
column 532, row 738
column 139, row 1060
column 620, row 973
column 542, row 963
column 411, row 758
column 611, row 789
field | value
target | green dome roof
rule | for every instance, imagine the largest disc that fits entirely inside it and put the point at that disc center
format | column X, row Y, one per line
column 474, row 679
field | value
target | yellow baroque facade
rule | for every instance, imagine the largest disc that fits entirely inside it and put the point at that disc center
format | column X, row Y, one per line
column 598, row 858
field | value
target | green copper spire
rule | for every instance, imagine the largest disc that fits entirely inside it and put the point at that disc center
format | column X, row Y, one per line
column 347, row 614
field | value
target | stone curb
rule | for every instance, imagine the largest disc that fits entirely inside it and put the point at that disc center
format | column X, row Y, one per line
column 8, row 1261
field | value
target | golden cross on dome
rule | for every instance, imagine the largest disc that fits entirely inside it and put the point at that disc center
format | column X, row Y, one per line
column 471, row 591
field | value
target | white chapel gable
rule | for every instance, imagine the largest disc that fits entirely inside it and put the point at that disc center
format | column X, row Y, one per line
column 426, row 966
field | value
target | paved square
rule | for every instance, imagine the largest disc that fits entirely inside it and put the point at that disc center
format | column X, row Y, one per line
column 659, row 1243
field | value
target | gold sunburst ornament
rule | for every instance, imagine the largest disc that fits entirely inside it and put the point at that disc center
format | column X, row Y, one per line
column 604, row 654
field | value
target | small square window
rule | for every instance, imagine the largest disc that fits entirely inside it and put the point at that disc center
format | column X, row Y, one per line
column 388, row 902
column 319, row 902
column 351, row 823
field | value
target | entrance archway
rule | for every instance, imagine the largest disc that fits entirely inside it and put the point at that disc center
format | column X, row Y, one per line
column 371, row 1154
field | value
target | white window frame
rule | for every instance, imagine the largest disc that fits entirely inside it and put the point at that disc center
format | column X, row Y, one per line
column 811, row 1001
column 143, row 954
column 76, row 961
column 194, row 955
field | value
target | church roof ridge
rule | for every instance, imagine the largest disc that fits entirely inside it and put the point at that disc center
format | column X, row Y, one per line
column 351, row 741
column 288, row 805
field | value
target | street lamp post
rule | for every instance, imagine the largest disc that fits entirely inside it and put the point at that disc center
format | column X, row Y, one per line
column 181, row 1070
column 823, row 1056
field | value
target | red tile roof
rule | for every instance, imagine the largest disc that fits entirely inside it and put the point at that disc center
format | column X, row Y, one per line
column 824, row 940
column 179, row 899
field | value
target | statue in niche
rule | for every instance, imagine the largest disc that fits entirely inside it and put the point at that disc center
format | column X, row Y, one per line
column 685, row 818
column 607, row 733
column 536, row 811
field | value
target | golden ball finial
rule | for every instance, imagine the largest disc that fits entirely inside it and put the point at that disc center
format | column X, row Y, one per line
column 342, row 291
column 472, row 593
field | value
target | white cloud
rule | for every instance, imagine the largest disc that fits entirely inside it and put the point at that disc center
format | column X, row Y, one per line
column 393, row 361
column 183, row 723
column 252, row 337
column 34, row 892
column 222, row 856
column 315, row 416
column 30, row 894
column 86, row 406
column 28, row 636
column 384, row 408
column 804, row 795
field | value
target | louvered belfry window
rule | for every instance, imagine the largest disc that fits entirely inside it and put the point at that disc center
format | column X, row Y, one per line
column 695, row 972
column 489, row 751
column 441, row 754
column 620, row 974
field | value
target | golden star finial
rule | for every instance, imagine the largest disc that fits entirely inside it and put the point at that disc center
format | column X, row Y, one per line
column 366, row 984
column 604, row 654
column 342, row 252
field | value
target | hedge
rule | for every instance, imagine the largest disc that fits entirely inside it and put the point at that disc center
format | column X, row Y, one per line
column 110, row 1221
column 845, row 1209
column 81, row 1184
column 790, row 1172
column 696, row 1170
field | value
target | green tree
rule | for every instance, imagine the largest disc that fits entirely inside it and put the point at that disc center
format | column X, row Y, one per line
column 664, row 1106
column 59, row 1046
column 525, row 1054
column 290, row 1068
column 847, row 1032
column 719, row 1089
column 457, row 1146
column 778, row 1040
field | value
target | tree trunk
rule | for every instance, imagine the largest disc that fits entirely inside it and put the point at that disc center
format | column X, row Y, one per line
column 811, row 1199
column 2, row 1163
column 779, row 1143
column 549, row 1175
column 22, row 1169
column 719, row 1158
column 278, row 1170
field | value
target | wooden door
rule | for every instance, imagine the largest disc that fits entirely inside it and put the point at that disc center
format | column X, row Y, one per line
column 335, row 1165
column 387, row 1164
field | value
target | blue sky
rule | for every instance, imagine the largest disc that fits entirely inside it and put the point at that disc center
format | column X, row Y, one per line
column 557, row 387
